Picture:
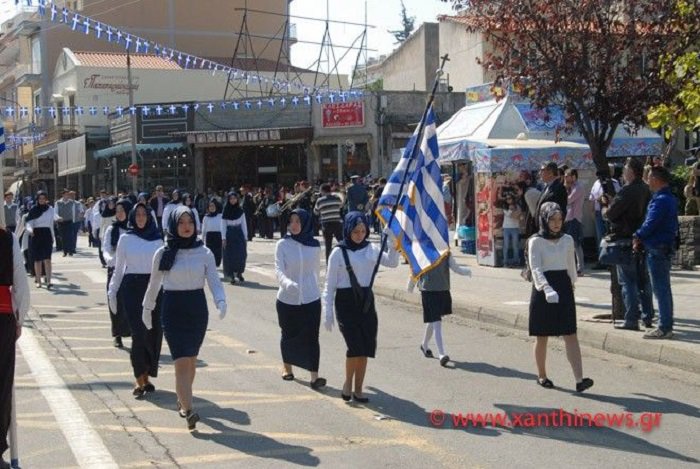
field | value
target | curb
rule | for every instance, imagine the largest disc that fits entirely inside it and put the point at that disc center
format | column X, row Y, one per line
column 661, row 352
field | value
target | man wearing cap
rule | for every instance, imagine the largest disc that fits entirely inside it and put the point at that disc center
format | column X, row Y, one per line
column 357, row 196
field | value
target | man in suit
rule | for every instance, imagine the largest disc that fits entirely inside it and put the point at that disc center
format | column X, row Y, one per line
column 554, row 190
column 158, row 203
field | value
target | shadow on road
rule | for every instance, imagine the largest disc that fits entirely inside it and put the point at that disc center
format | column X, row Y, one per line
column 488, row 369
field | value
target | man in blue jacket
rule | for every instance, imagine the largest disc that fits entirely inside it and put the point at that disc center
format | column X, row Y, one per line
column 658, row 236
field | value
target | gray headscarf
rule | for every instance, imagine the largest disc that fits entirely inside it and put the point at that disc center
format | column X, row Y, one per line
column 547, row 211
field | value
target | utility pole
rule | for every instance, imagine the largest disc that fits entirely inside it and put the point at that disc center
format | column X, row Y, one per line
column 132, row 120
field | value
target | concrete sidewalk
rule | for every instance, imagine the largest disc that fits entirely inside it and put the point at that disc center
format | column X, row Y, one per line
column 500, row 296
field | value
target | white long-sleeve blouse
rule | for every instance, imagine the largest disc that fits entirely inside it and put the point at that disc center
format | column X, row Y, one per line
column 297, row 268
column 20, row 287
column 551, row 254
column 362, row 262
column 240, row 221
column 189, row 271
column 134, row 255
column 212, row 224
column 46, row 220
column 108, row 252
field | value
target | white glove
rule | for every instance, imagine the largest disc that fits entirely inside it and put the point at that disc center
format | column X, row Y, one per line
column 328, row 323
column 221, row 306
column 410, row 286
column 551, row 295
column 112, row 300
column 147, row 318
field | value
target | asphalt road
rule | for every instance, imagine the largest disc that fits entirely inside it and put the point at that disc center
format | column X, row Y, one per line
column 75, row 407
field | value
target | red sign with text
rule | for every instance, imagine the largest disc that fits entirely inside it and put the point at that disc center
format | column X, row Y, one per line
column 344, row 114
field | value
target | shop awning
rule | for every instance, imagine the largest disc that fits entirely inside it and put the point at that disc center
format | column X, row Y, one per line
column 125, row 148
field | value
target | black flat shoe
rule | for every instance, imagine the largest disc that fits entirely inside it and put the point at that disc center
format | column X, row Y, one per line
column 427, row 353
column 361, row 400
column 584, row 384
column 444, row 360
column 148, row 387
column 117, row 342
column 192, row 419
column 345, row 397
column 545, row 383
column 138, row 392
column 318, row 383
column 288, row 377
column 240, row 277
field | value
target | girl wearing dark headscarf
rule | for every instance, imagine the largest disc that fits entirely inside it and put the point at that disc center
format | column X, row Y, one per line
column 14, row 304
column 348, row 288
column 127, row 287
column 212, row 229
column 188, row 202
column 297, row 265
column 106, row 210
column 181, row 268
column 175, row 200
column 235, row 238
column 120, row 323
column 552, row 260
column 39, row 225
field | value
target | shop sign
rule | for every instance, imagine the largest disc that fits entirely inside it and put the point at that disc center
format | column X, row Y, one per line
column 351, row 114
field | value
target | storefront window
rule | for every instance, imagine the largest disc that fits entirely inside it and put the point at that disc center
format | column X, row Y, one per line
column 354, row 163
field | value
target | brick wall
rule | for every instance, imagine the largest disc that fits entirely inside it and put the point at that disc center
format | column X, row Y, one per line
column 689, row 253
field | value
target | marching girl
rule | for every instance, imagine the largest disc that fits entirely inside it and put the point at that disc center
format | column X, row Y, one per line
column 14, row 304
column 120, row 323
column 212, row 230
column 235, row 237
column 132, row 272
column 347, row 291
column 102, row 220
column 297, row 265
column 181, row 267
column 170, row 206
column 39, row 225
column 188, row 202
column 552, row 260
column 436, row 298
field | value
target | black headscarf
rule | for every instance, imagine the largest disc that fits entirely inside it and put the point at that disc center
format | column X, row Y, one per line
column 547, row 211
column 150, row 232
column 352, row 219
column 38, row 209
column 306, row 235
column 186, row 196
column 117, row 226
column 173, row 200
column 142, row 195
column 217, row 204
column 174, row 241
column 232, row 211
column 107, row 212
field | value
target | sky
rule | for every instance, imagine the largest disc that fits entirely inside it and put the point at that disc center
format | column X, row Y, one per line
column 383, row 14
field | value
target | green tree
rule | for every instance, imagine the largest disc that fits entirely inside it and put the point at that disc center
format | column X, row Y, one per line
column 407, row 22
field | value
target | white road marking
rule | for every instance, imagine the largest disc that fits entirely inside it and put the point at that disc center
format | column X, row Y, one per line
column 85, row 443
column 516, row 303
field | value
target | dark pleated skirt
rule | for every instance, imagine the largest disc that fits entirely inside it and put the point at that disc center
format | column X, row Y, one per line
column 213, row 242
column 436, row 304
column 145, row 344
column 120, row 323
column 553, row 319
column 185, row 317
column 359, row 329
column 236, row 251
column 300, row 325
column 42, row 244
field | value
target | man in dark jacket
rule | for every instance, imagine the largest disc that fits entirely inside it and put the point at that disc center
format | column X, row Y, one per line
column 554, row 190
column 357, row 197
column 625, row 215
column 158, row 203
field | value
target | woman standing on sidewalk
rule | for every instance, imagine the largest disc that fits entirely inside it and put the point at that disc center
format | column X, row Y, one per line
column 181, row 268
column 132, row 271
column 348, row 277
column 552, row 260
column 297, row 265
column 118, row 317
column 212, row 230
column 14, row 304
column 235, row 238
column 40, row 227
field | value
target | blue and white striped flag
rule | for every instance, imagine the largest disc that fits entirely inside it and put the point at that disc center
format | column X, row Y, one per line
column 2, row 140
column 420, row 225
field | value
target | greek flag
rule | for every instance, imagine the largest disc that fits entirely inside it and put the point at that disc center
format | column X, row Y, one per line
column 420, row 225
column 2, row 140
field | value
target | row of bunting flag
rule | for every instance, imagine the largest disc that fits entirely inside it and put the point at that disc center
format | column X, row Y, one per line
column 270, row 103
column 132, row 43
